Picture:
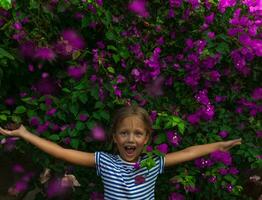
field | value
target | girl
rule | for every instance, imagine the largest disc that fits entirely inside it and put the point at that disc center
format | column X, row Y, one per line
column 120, row 173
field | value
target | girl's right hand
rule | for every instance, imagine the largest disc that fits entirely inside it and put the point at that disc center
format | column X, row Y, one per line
column 13, row 132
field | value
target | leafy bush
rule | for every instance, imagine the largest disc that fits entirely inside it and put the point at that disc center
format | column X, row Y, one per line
column 65, row 66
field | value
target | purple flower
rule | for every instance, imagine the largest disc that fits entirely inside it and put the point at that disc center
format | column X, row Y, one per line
column 96, row 196
column 229, row 187
column 27, row 49
column 221, row 156
column 46, row 86
column 67, row 140
column 34, row 121
column 163, row 148
column 17, row 168
column 233, row 171
column 193, row 118
column 257, row 94
column 153, row 115
column 139, row 179
column 98, row 133
column 223, row 4
column 259, row 134
column 83, row 117
column 212, row 179
column 76, row 72
column 44, row 53
column 149, row 148
column 155, row 87
column 51, row 112
column 214, row 76
column 176, row 196
column 223, row 134
column 223, row 171
column 137, row 165
column 73, row 39
column 173, row 138
column 202, row 97
column 203, row 163
column 17, row 26
column 10, row 101
column 139, row 8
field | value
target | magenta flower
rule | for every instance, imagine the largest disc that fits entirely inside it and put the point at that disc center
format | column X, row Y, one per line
column 34, row 121
column 96, row 196
column 233, row 171
column 51, row 112
column 10, row 101
column 44, row 53
column 212, row 179
column 76, row 72
column 257, row 93
column 18, row 168
column 149, row 148
column 223, row 171
column 73, row 39
column 203, row 163
column 174, row 138
column 139, row 179
column 221, row 156
column 137, row 165
column 223, row 4
column 176, row 196
column 67, row 140
column 46, row 86
column 193, row 119
column 139, row 8
column 163, row 148
column 98, row 133
column 83, row 117
column 223, row 134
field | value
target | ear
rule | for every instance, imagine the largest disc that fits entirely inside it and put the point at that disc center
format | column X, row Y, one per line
column 147, row 138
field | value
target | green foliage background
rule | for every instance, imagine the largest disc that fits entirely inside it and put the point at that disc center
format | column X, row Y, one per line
column 83, row 96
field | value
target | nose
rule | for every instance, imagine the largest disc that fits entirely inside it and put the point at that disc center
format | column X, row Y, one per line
column 131, row 137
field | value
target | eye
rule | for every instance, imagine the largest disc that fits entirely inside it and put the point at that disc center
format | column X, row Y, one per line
column 138, row 133
column 123, row 133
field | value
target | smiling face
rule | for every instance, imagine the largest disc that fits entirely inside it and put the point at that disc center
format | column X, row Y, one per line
column 130, row 138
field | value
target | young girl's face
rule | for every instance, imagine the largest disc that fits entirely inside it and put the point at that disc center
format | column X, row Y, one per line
column 130, row 138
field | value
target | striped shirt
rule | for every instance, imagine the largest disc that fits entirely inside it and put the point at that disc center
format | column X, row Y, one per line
column 121, row 179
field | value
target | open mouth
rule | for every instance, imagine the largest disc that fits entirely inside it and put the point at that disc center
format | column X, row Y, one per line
column 130, row 149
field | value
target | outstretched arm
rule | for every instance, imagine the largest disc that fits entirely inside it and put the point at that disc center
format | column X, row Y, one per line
column 197, row 151
column 53, row 149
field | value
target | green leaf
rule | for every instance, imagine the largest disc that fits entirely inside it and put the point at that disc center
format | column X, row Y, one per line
column 110, row 36
column 111, row 70
column 6, row 4
column 3, row 117
column 54, row 137
column 161, row 138
column 104, row 115
column 116, row 58
column 80, row 126
column 20, row 110
column 83, row 98
column 74, row 109
column 99, row 105
column 111, row 47
column 75, row 143
column 181, row 127
column 16, row 119
column 66, row 90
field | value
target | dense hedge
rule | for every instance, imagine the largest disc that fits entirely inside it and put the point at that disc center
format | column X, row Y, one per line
column 66, row 66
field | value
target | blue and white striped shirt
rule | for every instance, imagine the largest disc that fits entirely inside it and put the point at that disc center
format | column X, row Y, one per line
column 119, row 177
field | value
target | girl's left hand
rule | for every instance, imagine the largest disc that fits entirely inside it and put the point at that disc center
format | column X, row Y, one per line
column 226, row 145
